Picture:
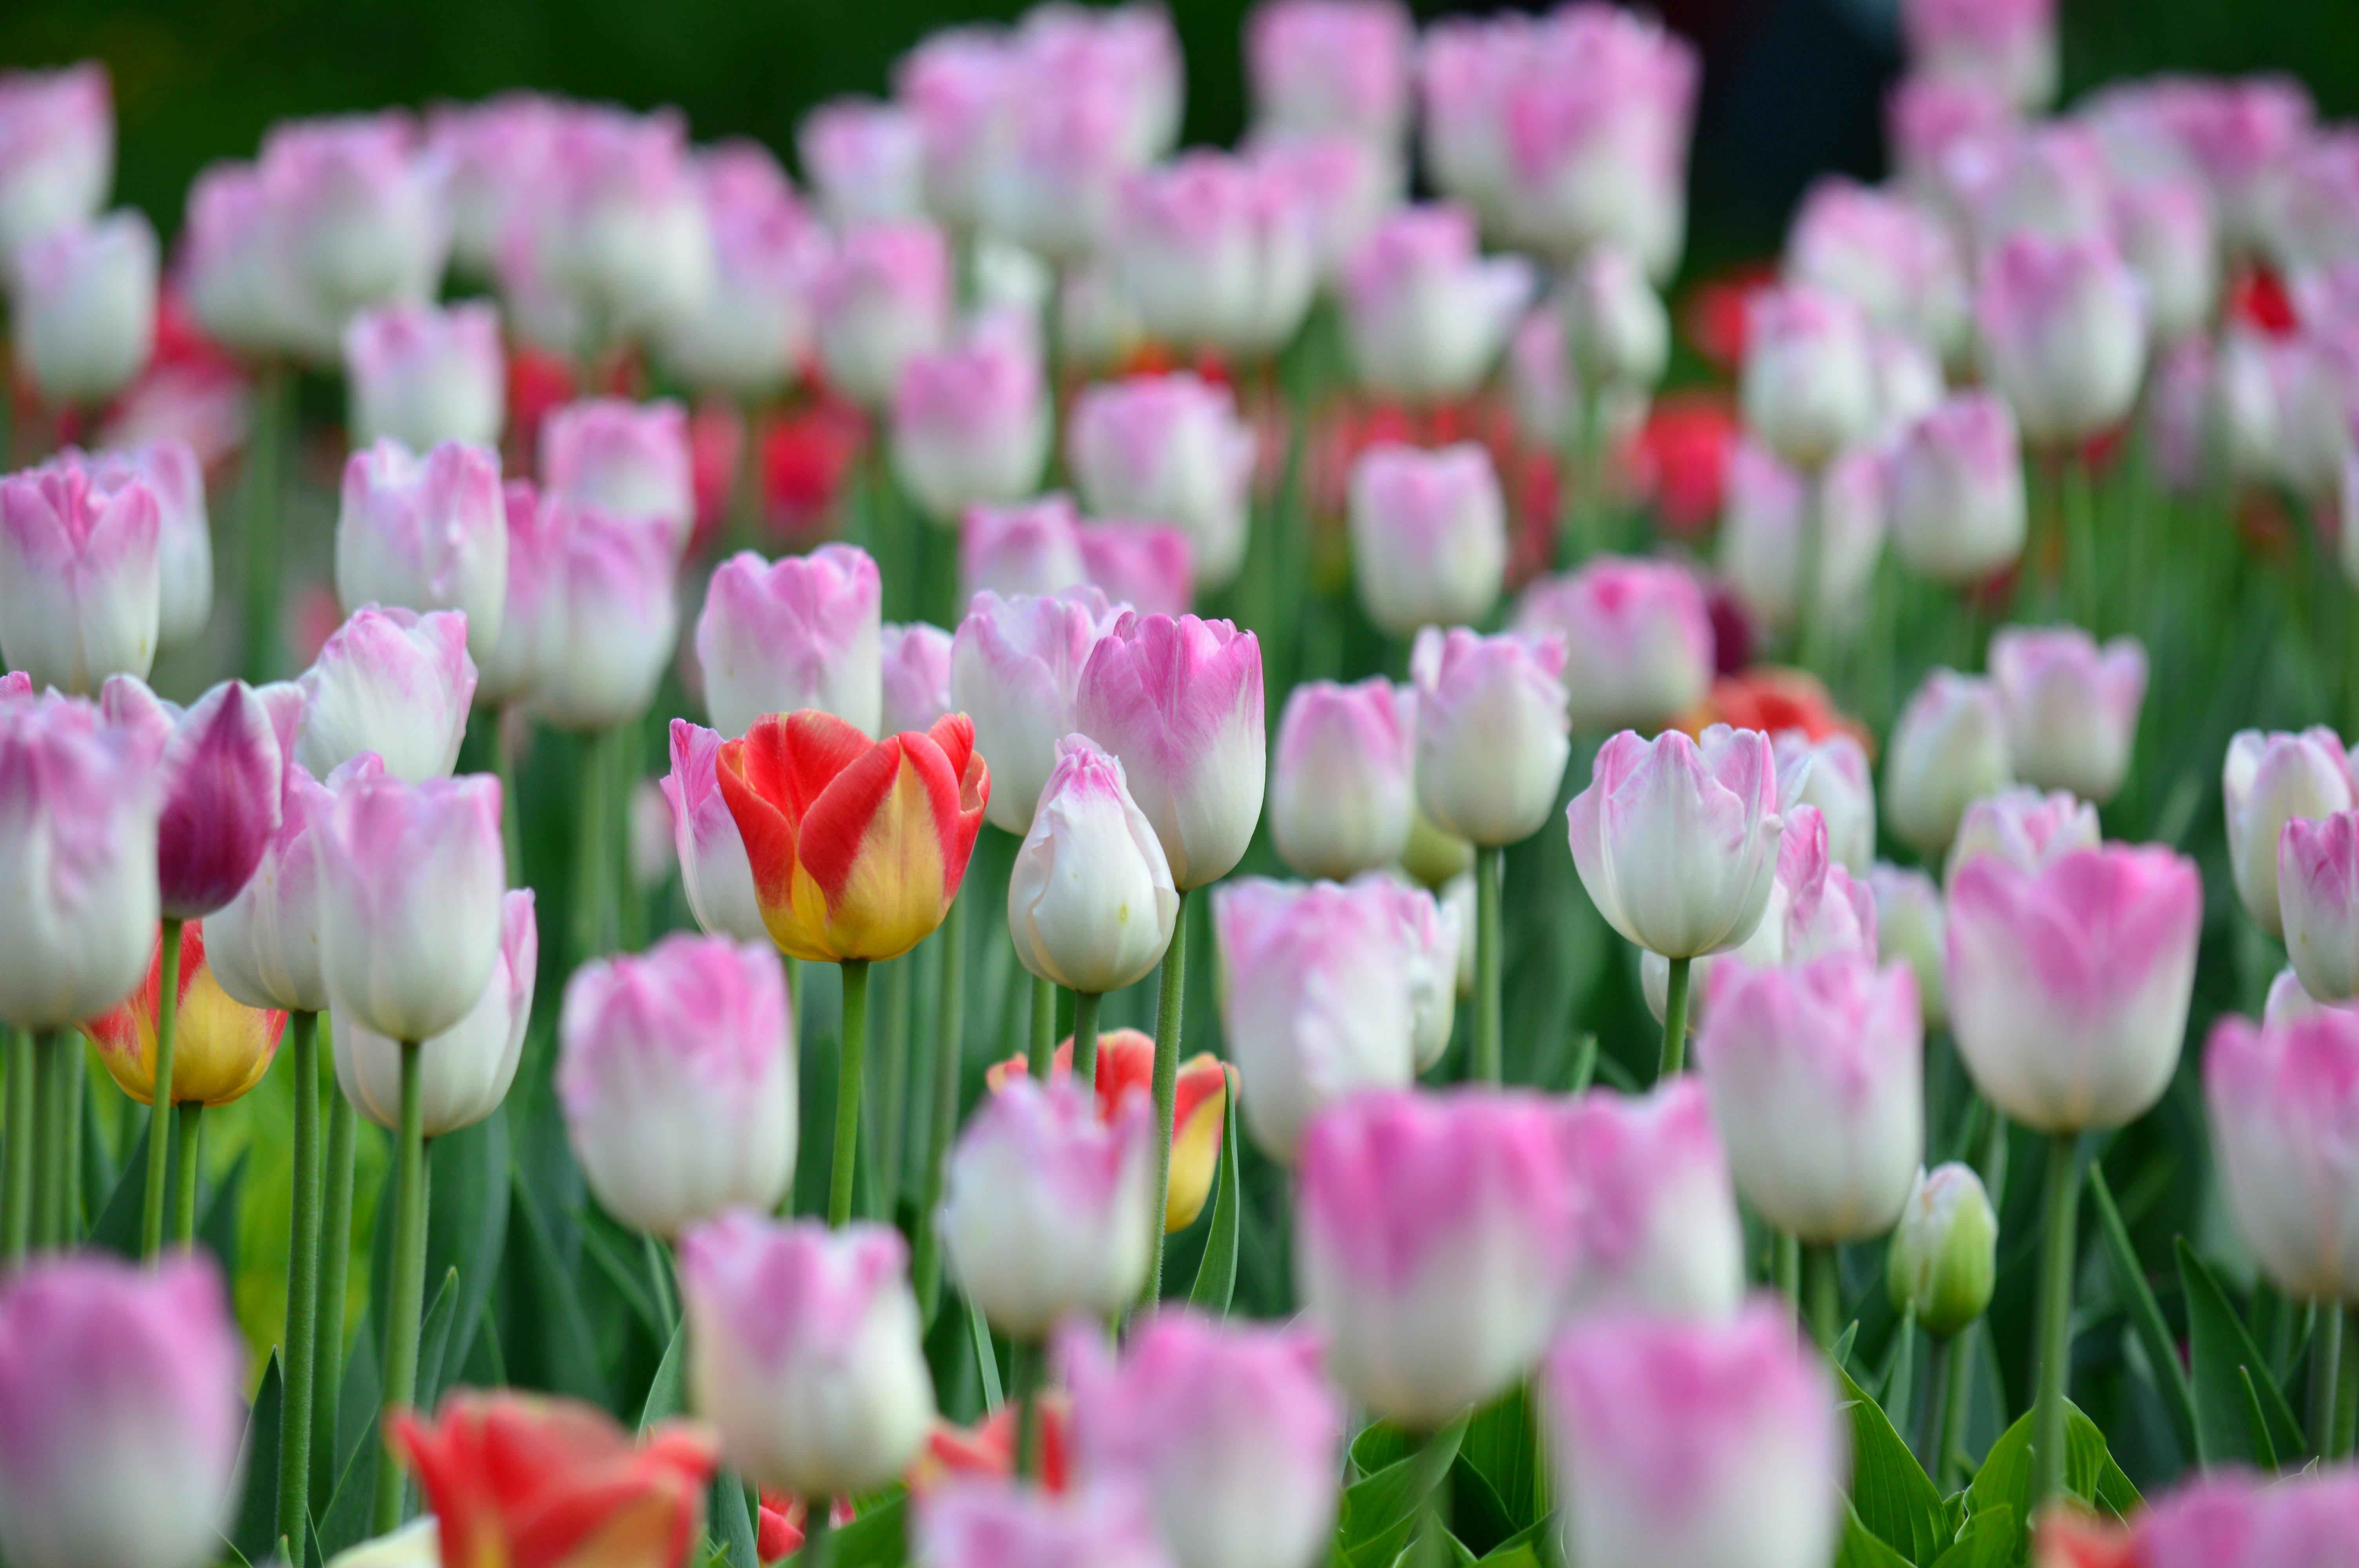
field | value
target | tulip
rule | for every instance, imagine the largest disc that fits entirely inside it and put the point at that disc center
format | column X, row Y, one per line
column 1777, row 521
column 1425, row 314
column 235, row 270
column 2284, row 1109
column 221, row 1047
column 593, row 616
column 1956, row 490
column 1912, row 925
column 1637, row 639
column 1090, row 903
column 264, row 945
column 1171, row 449
column 1434, row 928
column 79, row 593
column 1151, row 567
column 1016, row 667
column 1615, row 326
column 1218, row 251
column 1831, row 775
column 800, row 632
column 2165, row 232
column 529, row 1481
column 2046, row 182
column 2317, row 864
column 1341, row 793
column 1429, row 536
column 2024, row 828
column 751, row 331
column 1316, row 1005
column 1492, row 736
column 1031, row 548
column 915, row 660
column 170, row 467
column 1657, row 1230
column 1126, row 1066
column 1949, row 748
column 1229, row 1431
column 1944, row 1257
column 114, row 1377
column 1048, row 1210
column 1810, row 375
column 84, row 297
column 882, row 299
column 464, row 1071
column 862, row 159
column 2063, row 333
column 358, row 205
column 628, row 461
column 390, row 681
column 56, row 150
column 426, row 533
column 1695, row 1443
column 1925, row 118
column 220, row 769
column 2071, row 708
column 1888, row 255
column 1433, row 1244
column 1322, row 66
column 714, row 874
column 1000, row 1525
column 2268, row 781
column 970, row 422
column 424, row 375
column 2011, row 49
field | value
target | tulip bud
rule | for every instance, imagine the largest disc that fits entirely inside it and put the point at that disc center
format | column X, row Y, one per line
column 1694, row 1442
column 1217, row 251
column 997, row 1524
column 594, row 596
column 1433, row 1242
column 1949, row 748
column 1331, row 66
column 1956, row 489
column 184, row 545
column 1911, row 924
column 916, row 661
column 882, row 299
column 861, row 158
column 392, row 682
column 799, row 632
column 1637, row 640
column 111, row 1374
column 2317, row 863
column 2024, row 828
column 1810, row 373
column 1892, row 257
column 1435, row 858
column 1425, row 314
column 1229, row 1429
column 1048, row 1207
column 59, row 157
column 2268, row 781
column 1151, row 567
column 80, row 594
column 426, row 533
column 629, row 460
column 220, row 1048
column 1180, row 704
column 1429, row 536
column 357, row 206
column 1944, row 1256
column 2009, row 50
column 85, row 307
column 2279, row 1097
column 1340, row 785
column 1658, row 1228
column 1199, row 1103
column 2069, row 986
column 751, row 331
column 1768, row 513
column 2165, row 229
column 1634, row 843
column 1033, row 547
column 970, row 421
column 1492, row 736
column 1614, row 323
column 220, row 768
column 2063, row 333
column 422, row 376
column 264, row 945
column 714, row 873
column 1089, row 901
column 1831, row 776
column 1016, row 669
column 2071, row 708
column 465, row 1071
column 1171, row 449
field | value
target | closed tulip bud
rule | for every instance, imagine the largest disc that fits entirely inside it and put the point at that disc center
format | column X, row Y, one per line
column 1435, row 858
column 2010, row 49
column 1491, row 735
column 169, row 466
column 1090, row 903
column 221, row 767
column 1229, row 1429
column 535, row 1482
column 1146, row 566
column 1436, row 934
column 422, row 375
column 799, row 632
column 1016, row 670
column 1433, row 1241
column 1047, row 1209
column 863, row 161
column 916, row 674
column 595, row 596
column 1341, row 786
column 1893, row 257
column 676, row 1073
column 1831, row 775
column 1614, row 323
column 1637, row 640
column 392, row 682
column 1768, row 513
column 1171, row 449
column 750, row 332
column 221, row 1047
column 1659, row 1231
column 80, row 598
column 1179, row 703
column 856, row 846
column 2282, row 1100
column 2165, row 229
column 998, row 1524
column 882, row 299
column 1695, row 1443
column 2024, row 828
column 626, row 460
column 358, row 207
column 1425, row 313
column 1217, row 251
column 425, row 533
column 85, row 307
column 264, row 945
column 1944, row 1258
column 2268, row 781
column 713, row 871
column 2069, row 986
column 1810, row 373
column 1956, row 490
column 2071, row 707
column 805, row 1352
column 1033, row 547
column 58, row 156
column 970, row 421
column 111, row 1374
column 2287, row 1001
column 2318, row 873
column 465, row 1071
column 2063, row 333
column 1429, row 536
column 1948, row 749
column 1331, row 66
column 1199, row 1103
column 1911, row 924
column 1656, row 876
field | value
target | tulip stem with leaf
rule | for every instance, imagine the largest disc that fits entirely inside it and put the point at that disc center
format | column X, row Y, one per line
column 1490, row 957
column 17, row 1186
column 159, row 1124
column 851, row 1062
column 1950, row 1372
column 302, row 1290
column 2057, row 1253
column 1823, row 1290
column 950, row 1024
column 405, row 1297
column 818, row 1550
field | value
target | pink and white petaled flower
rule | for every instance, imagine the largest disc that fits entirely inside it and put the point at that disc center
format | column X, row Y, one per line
column 970, row 422
column 466, row 1070
column 714, row 871
column 1615, row 325
column 1090, row 901
column 2024, row 827
column 1425, row 313
column 593, row 615
column 57, row 149
column 676, row 1069
column 1341, row 786
column 1830, row 774
column 81, row 596
column 263, row 946
column 1433, row 1239
column 1897, row 259
column 1437, row 931
column 2009, row 47
column 1429, row 536
column 2284, row 1104
column 1658, row 1230
column 2063, row 333
column 424, row 374
column 628, row 459
column 2165, row 229
column 358, row 206
column 1956, row 490
column 2240, row 133
column 1769, row 509
column 2069, row 986
column 221, row 766
column 392, row 682
column 1003, row 1524
column 1809, row 384
column 1228, row 1428
column 2047, row 181
column 1016, row 671
column 2317, row 893
column 1492, row 736
column 1677, row 840
column 1218, row 250
column 1339, row 188
column 2266, row 782
column 882, row 298
column 491, row 151
column 1146, row 566
column 751, row 331
column 1927, row 118
column 174, row 475
column 1637, row 639
column 800, row 631
column 916, row 658
column 1817, row 1076
column 2071, row 707
column 1694, row 1442
column 84, row 305
column 1169, row 448
column 866, row 161
column 1948, row 750
column 425, row 533
column 1331, row 66
column 1030, row 546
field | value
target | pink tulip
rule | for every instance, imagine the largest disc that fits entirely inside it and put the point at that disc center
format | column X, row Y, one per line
column 1333, row 184
column 426, row 533
column 882, row 299
column 1146, row 566
column 1029, row 547
column 355, row 206
column 221, row 766
column 57, row 149
column 2069, row 986
column 1429, row 536
column 952, row 84
column 1433, row 1244
column 2239, row 132
column 1217, row 250
column 970, row 422
column 1016, row 671
column 2268, row 781
column 1614, row 324
column 1169, row 448
column 2063, row 331
column 2284, row 1104
column 491, row 152
column 627, row 459
column 1830, row 774
column 593, row 615
column 1055, row 162
column 2009, row 47
column 1179, row 702
column 714, row 873
column 110, row 1372
column 1948, row 750
column 172, row 472
column 84, row 298
column 1810, row 373
column 1677, row 843
column 466, row 1070
column 1466, row 68
column 1341, row 786
column 917, row 669
column 2318, row 872
column 264, row 945
column 1957, row 492
column 1659, row 1231
column 798, row 633
column 1694, row 1442
column 424, row 375
column 1927, row 118
column 1492, row 736
column 2071, row 707
column 1893, row 258
column 2165, row 231
column 1436, row 930
column 1322, row 66
column 80, row 595
column 2048, row 181
column 864, row 159
column 2024, row 828
column 2314, row 230
column 1229, row 1429
column 1425, row 313
column 1766, row 509
column 233, row 266
column 392, row 682
column 999, row 1524
column 751, row 331
column 1637, row 640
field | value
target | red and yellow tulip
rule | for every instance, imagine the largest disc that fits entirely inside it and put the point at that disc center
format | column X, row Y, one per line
column 1126, row 1066
column 221, row 1047
column 857, row 846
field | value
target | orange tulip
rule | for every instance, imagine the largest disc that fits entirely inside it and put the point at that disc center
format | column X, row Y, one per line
column 987, row 1449
column 2067, row 1537
column 857, row 846
column 520, row 1481
column 221, row 1047
column 1127, row 1065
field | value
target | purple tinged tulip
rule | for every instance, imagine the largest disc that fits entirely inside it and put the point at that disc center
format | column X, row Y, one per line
column 1016, row 670
column 713, row 869
column 169, row 466
column 466, row 1070
column 970, row 422
column 357, row 205
column 1831, row 775
column 423, row 374
column 2071, row 707
column 1637, row 640
column 1032, row 547
column 1146, row 566
column 629, row 460
column 2024, row 828
column 2008, row 49
column 1090, row 901
column 222, row 767
column 1169, row 448
column 425, row 533
column 776, row 637
column 392, row 682
column 916, row 658
column 1956, row 490
column 1429, row 536
column 1677, row 841
column 84, row 297
column 750, row 332
column 81, row 597
column 57, row 149
column 1331, row 66
column 2165, row 229
column 2284, row 1104
column 2063, row 330
column 1892, row 256
column 1492, row 734
column 1659, row 1231
column 1342, row 785
column 264, row 945
column 1948, row 750
column 2268, row 781
column 999, row 1524
column 600, row 610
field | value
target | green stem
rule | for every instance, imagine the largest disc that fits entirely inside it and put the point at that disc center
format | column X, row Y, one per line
column 1786, row 1268
column 1490, row 940
column 1167, row 1084
column 899, row 979
column 1933, row 1419
column 511, row 807
column 2325, row 1376
column 405, row 1298
column 302, row 1289
column 851, row 1054
column 2081, row 540
column 659, row 1275
column 1024, row 1370
column 263, row 493
column 1675, row 1023
column 1822, row 1281
column 818, row 1533
column 160, row 1121
column 328, row 1317
column 949, row 1022
column 2346, row 1399
column 71, row 1069
column 1040, row 1055
column 590, row 876
column 2057, row 1253
column 745, row 494
column 49, row 1148
column 17, row 1194
column 1809, row 609
column 190, row 1147
column 1085, row 1038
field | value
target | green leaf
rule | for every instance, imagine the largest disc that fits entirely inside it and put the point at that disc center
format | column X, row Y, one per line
column 352, row 1508
column 1863, row 1547
column 986, row 1358
column 568, row 1350
column 2263, row 1450
column 1503, row 1446
column 1216, row 1276
column 1380, row 1447
column 1476, row 1514
column 358, row 1398
column 664, row 1390
column 1891, row 1495
column 2004, row 1484
column 628, row 1280
column 217, row 1226
column 1380, row 1514
column 1989, row 1539
column 255, row 1533
column 877, row 1538
column 731, row 1524
column 2218, row 1344
column 467, row 1226
column 2145, row 1313
column 434, row 1342
column 1522, row 1549
column 117, row 1229
column 1585, row 1064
